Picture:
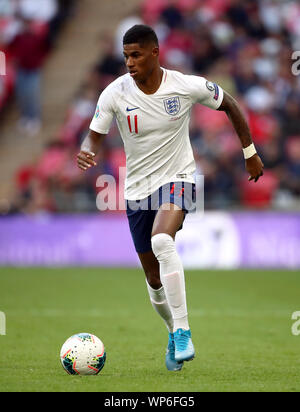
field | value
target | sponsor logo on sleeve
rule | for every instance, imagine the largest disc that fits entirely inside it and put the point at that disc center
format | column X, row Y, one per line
column 217, row 92
column 213, row 87
column 210, row 86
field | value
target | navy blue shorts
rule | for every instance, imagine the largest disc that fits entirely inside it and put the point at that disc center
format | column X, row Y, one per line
column 141, row 213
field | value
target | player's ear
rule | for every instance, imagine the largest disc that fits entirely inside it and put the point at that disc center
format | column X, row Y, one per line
column 155, row 51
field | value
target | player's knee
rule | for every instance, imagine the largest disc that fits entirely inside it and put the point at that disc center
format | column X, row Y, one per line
column 162, row 245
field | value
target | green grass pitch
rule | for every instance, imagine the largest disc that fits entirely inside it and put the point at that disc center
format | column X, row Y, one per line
column 240, row 321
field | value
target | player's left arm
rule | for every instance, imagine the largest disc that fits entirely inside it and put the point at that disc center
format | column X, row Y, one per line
column 253, row 163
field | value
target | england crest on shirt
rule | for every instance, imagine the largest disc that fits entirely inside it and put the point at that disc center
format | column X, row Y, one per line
column 172, row 105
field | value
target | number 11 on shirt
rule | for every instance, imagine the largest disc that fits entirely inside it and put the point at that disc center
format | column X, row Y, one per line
column 135, row 123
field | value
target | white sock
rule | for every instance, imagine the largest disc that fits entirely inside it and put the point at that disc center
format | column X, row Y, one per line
column 160, row 304
column 172, row 278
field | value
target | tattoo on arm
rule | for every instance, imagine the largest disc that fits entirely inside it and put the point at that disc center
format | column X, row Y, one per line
column 237, row 118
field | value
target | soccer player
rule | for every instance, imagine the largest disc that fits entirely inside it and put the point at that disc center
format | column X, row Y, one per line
column 152, row 107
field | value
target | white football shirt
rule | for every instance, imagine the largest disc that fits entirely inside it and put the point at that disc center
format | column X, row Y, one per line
column 155, row 128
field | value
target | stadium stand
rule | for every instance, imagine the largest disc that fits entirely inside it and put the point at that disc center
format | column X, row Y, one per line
column 246, row 47
column 28, row 30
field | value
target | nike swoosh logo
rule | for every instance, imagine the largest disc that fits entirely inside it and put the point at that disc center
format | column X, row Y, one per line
column 129, row 110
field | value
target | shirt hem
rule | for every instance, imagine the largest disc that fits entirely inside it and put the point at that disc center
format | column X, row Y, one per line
column 99, row 131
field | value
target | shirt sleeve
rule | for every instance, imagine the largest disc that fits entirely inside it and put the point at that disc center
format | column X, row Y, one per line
column 205, row 92
column 104, row 113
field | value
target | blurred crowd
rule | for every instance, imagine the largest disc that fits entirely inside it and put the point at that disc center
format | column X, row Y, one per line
column 28, row 30
column 245, row 46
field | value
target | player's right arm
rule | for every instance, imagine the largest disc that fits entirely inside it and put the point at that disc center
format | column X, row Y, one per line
column 99, row 128
column 89, row 149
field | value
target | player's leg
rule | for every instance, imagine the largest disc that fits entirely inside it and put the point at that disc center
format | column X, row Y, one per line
column 168, row 220
column 160, row 304
column 155, row 288
column 140, row 224
column 165, row 226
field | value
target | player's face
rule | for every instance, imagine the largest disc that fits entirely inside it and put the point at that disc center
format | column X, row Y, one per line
column 140, row 60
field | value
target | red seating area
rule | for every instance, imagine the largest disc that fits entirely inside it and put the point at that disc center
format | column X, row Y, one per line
column 233, row 43
column 6, row 81
column 46, row 23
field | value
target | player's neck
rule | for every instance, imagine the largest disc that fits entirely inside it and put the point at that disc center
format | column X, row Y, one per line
column 152, row 83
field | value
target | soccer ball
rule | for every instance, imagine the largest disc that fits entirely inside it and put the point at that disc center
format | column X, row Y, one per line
column 83, row 354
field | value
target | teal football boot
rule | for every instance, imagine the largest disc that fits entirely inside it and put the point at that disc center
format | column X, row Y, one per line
column 184, row 348
column 171, row 363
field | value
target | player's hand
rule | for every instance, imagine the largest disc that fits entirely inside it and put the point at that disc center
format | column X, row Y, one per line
column 85, row 160
column 254, row 167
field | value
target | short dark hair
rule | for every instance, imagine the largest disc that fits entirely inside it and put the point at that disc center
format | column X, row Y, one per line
column 141, row 34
